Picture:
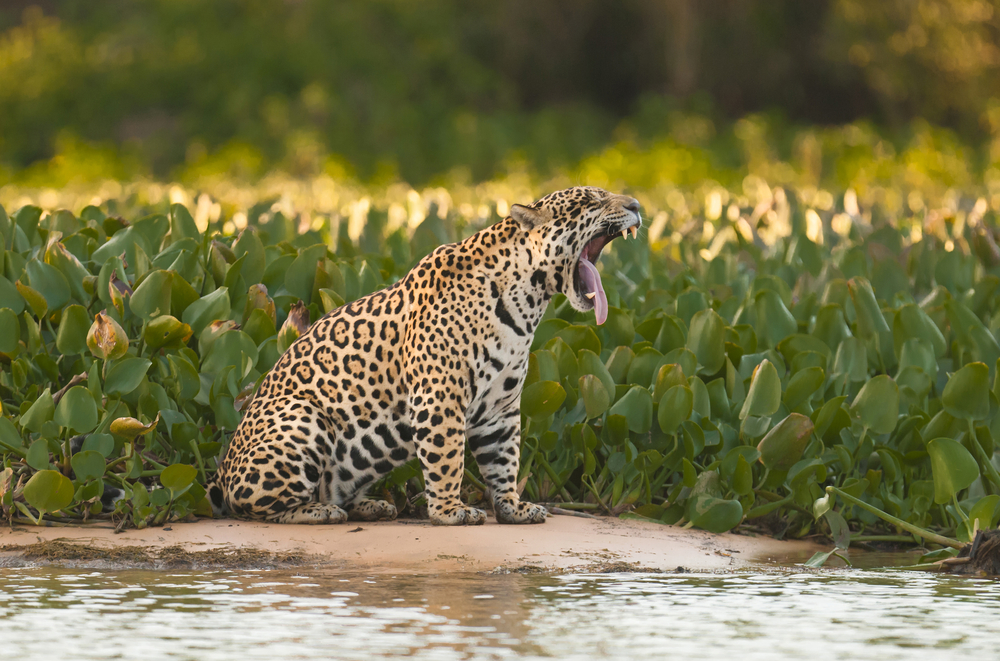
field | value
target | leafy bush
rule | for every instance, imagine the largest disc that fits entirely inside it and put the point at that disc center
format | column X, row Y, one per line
column 759, row 348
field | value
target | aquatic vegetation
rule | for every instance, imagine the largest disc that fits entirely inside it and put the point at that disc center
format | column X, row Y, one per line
column 784, row 358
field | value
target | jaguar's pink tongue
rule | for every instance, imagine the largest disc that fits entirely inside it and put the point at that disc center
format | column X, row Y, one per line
column 592, row 284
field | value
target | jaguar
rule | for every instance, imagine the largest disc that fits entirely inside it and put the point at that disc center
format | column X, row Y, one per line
column 421, row 368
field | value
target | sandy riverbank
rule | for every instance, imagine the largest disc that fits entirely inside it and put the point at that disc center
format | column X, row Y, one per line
column 562, row 543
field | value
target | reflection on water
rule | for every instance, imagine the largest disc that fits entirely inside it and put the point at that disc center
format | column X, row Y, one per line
column 324, row 614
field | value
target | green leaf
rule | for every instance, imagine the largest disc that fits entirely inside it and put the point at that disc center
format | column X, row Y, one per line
column 8, row 432
column 618, row 364
column 852, row 359
column 764, row 396
column 248, row 243
column 73, row 328
column 675, row 407
column 542, row 399
column 177, row 478
column 666, row 378
column 230, row 349
column 301, row 274
column 782, row 447
column 877, row 404
column 987, row 510
column 182, row 225
column 166, row 330
column 49, row 282
column 742, row 476
column 213, row 307
column 953, row 467
column 259, row 326
column 637, row 407
column 967, row 394
column 10, row 297
column 152, row 297
column 39, row 306
column 839, row 529
column 714, row 514
column 590, row 363
column 830, row 326
column 101, row 443
column 870, row 319
column 38, row 454
column 187, row 381
column 10, row 331
column 580, row 338
column 126, row 375
column 644, row 366
column 912, row 322
column 77, row 410
column 802, row 386
column 39, row 413
column 88, row 465
column 48, row 491
column 595, row 396
column 705, row 508
column 775, row 322
column 706, row 339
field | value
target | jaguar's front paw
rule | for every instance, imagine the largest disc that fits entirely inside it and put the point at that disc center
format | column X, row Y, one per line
column 519, row 512
column 457, row 515
column 372, row 510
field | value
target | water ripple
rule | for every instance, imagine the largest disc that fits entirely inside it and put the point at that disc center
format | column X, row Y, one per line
column 322, row 614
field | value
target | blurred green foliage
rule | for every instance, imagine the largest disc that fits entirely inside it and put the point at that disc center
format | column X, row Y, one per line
column 383, row 89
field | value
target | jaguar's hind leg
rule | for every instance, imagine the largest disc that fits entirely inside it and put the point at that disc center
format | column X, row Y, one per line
column 369, row 509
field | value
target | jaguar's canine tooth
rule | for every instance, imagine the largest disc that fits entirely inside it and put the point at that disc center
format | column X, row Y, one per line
column 625, row 234
column 591, row 294
column 634, row 231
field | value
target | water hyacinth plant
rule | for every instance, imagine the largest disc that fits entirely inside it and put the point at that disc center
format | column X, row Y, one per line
column 783, row 362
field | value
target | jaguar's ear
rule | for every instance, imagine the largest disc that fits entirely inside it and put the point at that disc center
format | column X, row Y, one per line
column 527, row 217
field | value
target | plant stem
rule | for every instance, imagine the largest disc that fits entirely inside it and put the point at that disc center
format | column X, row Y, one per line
column 589, row 483
column 472, row 478
column 552, row 476
column 763, row 510
column 989, row 468
column 909, row 527
column 573, row 506
column 10, row 448
column 201, row 464
column 883, row 538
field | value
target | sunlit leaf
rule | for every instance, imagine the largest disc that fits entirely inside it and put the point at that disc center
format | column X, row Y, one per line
column 48, row 491
column 953, row 467
column 966, row 396
column 782, row 447
column 877, row 404
column 764, row 396
column 77, row 410
column 542, row 399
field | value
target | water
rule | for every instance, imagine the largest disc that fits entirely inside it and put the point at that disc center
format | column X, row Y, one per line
column 48, row 613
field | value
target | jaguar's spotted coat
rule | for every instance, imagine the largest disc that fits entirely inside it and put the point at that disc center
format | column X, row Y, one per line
column 418, row 368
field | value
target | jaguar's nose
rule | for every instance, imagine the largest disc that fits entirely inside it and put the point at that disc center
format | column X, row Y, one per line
column 633, row 206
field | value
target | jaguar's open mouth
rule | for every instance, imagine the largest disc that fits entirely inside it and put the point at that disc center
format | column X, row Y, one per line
column 587, row 280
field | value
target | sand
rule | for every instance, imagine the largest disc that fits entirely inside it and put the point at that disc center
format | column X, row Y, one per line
column 562, row 543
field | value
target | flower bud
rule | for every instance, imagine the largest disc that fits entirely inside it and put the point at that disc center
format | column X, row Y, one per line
column 106, row 339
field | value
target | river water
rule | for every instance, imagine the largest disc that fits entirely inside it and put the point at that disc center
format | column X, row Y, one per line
column 52, row 613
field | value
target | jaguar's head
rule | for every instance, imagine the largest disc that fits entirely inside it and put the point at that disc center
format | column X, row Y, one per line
column 570, row 228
